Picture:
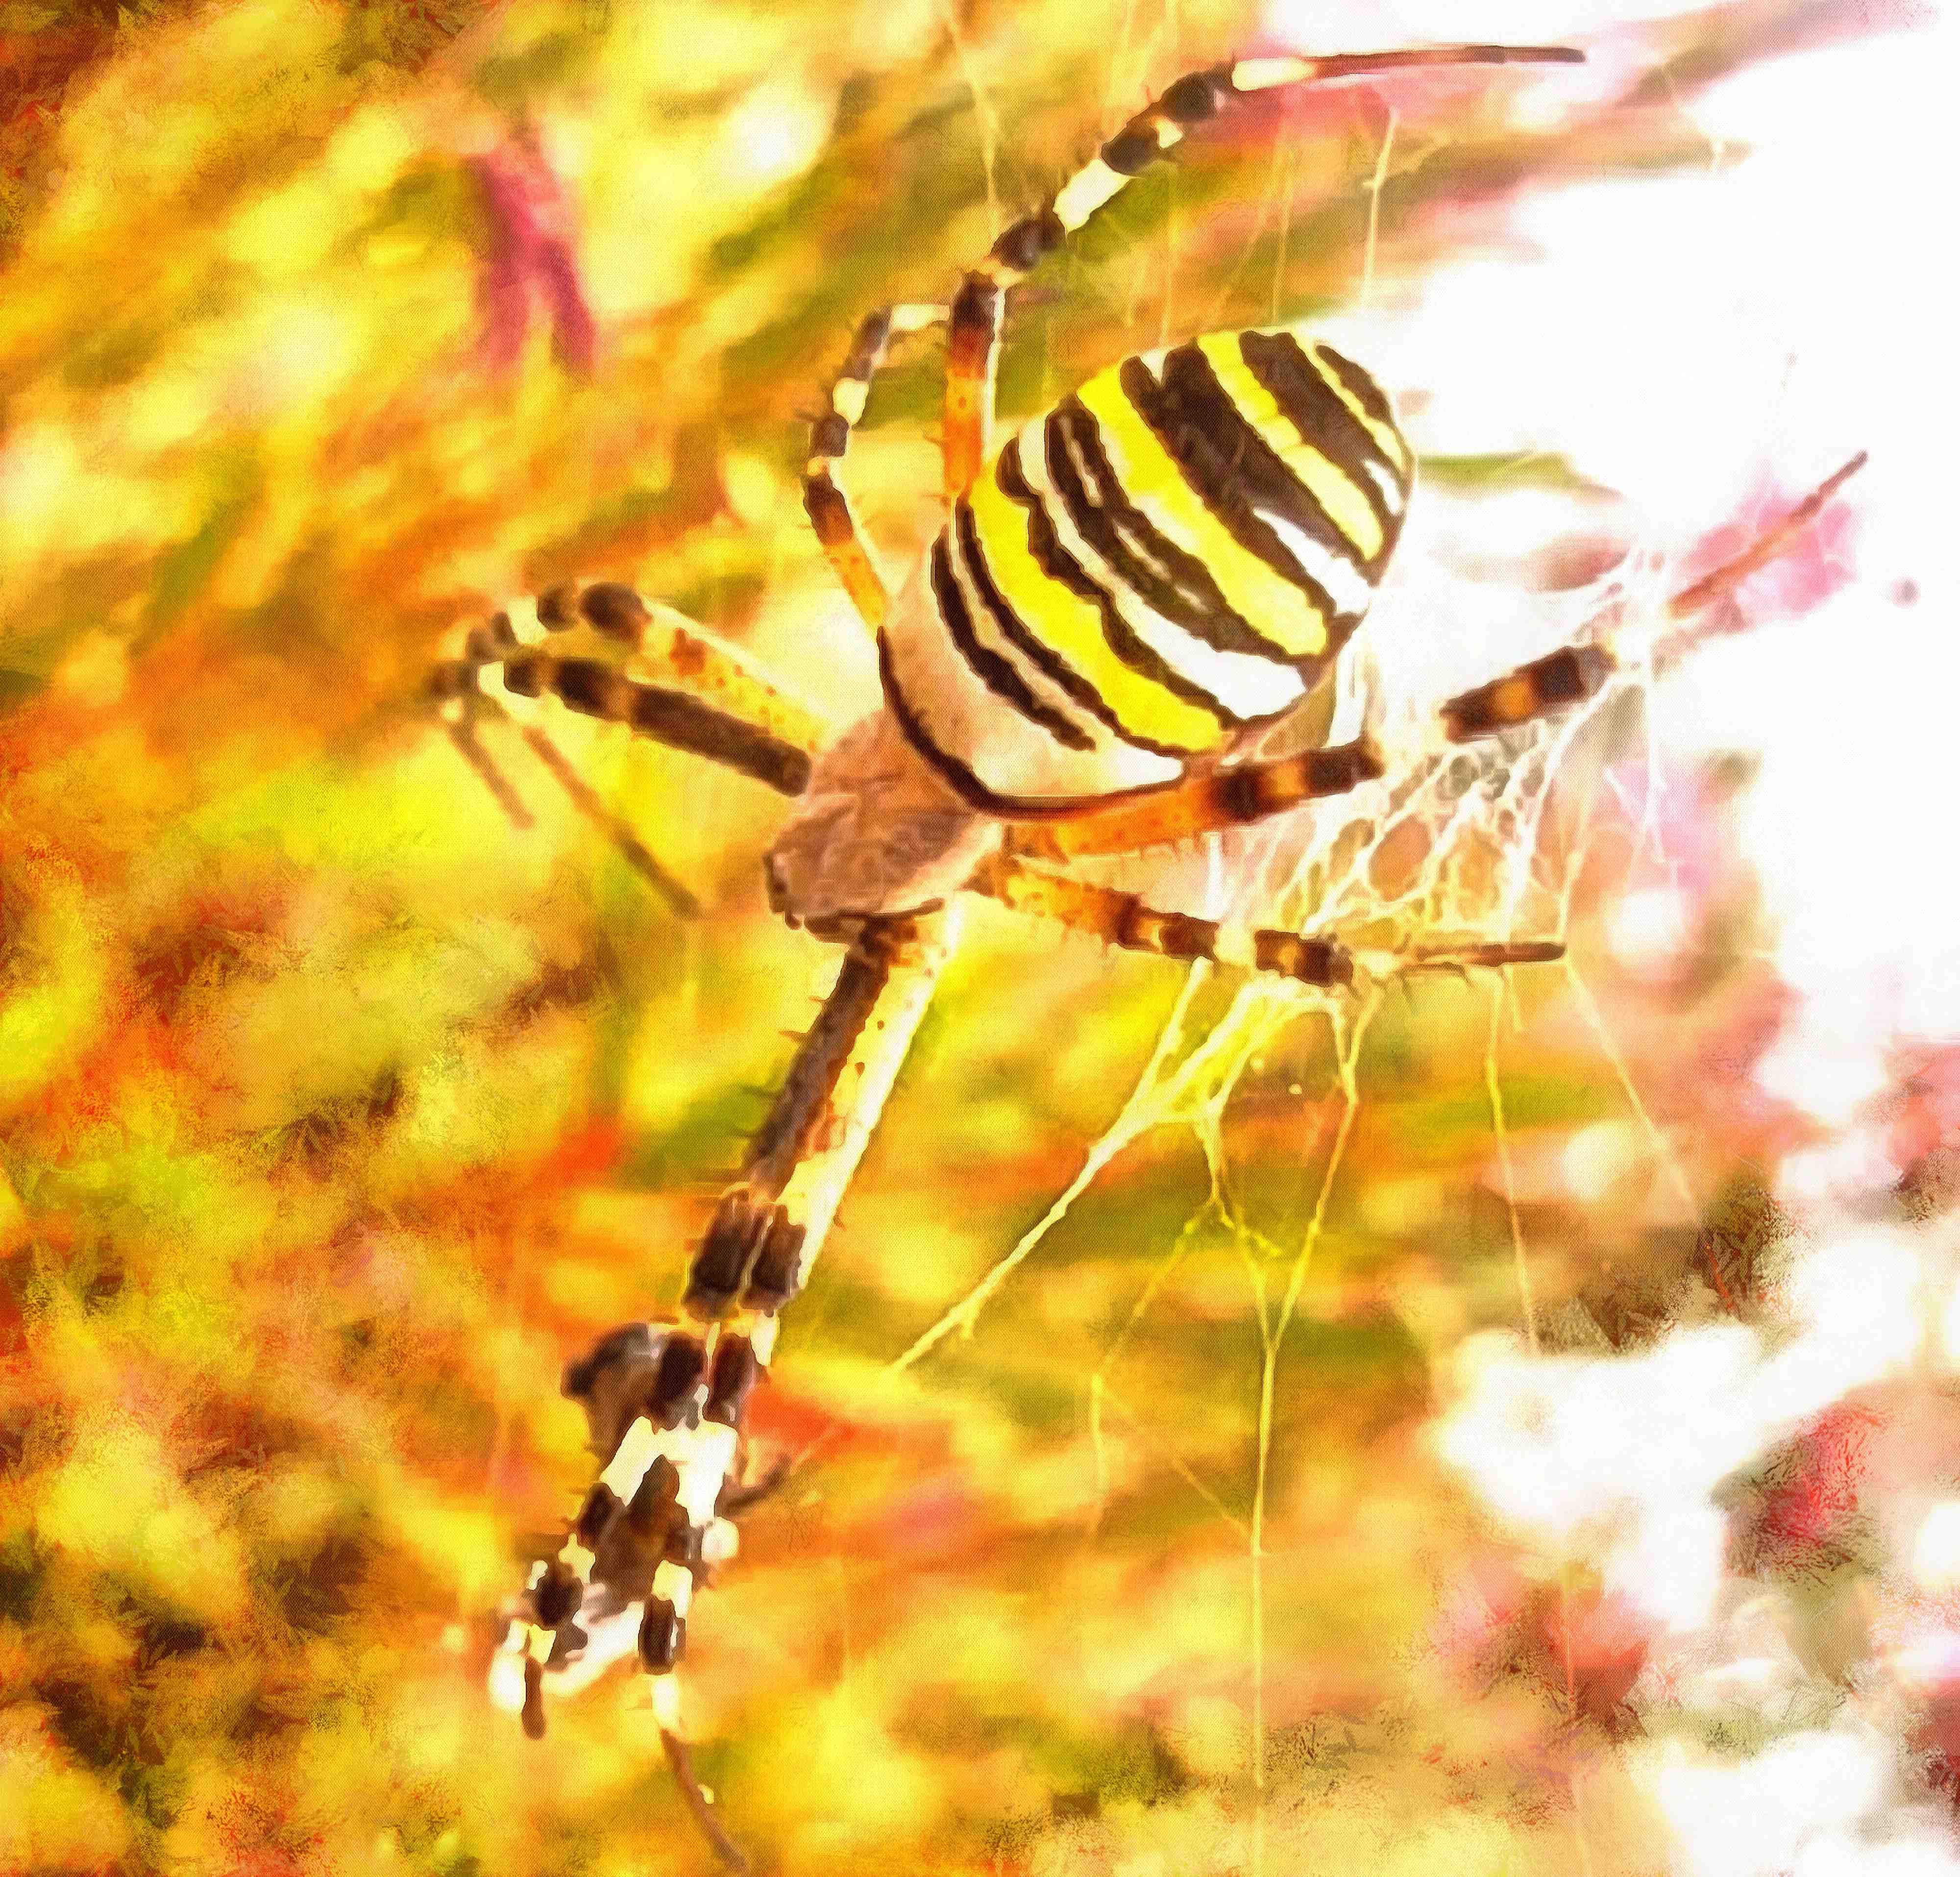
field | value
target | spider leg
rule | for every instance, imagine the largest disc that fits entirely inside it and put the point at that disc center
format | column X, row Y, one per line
column 1123, row 919
column 1217, row 798
column 1691, row 601
column 768, row 1227
column 714, row 703
column 616, row 828
column 729, row 713
column 979, row 308
column 830, row 437
column 1231, row 797
column 463, row 734
column 667, row 1402
column 682, row 1764
column 1575, row 673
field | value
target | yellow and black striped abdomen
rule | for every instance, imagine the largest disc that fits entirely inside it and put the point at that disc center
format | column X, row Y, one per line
column 1172, row 553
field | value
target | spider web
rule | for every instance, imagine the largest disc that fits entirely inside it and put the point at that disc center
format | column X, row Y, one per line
column 1455, row 846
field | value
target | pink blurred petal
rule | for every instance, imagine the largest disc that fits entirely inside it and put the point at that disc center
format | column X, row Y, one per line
column 531, row 258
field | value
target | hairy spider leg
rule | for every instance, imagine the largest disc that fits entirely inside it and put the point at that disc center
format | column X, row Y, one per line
column 667, row 1402
column 824, row 502
column 769, row 1226
column 460, row 684
column 1576, row 672
column 979, row 308
column 1125, row 920
column 620, row 830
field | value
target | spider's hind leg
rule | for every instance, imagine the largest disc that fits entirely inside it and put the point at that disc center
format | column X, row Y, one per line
column 1575, row 672
column 1234, row 797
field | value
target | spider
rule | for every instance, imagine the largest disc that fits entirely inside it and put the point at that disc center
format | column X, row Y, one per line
column 1124, row 595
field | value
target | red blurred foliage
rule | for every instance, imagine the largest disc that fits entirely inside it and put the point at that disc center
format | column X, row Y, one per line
column 1582, row 1647
column 1926, row 1117
column 531, row 258
column 1937, row 1738
column 1803, row 1519
column 584, row 1158
column 35, row 71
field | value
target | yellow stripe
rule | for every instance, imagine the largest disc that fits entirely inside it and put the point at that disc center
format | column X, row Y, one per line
column 1276, row 608
column 1072, row 628
column 1329, row 485
column 1390, row 438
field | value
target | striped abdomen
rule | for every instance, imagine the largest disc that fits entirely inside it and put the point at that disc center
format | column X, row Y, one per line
column 1172, row 553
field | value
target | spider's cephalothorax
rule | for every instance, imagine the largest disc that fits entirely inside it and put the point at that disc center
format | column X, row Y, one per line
column 1134, row 584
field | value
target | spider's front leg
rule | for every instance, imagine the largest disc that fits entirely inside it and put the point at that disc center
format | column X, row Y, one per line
column 823, row 501
column 980, row 308
column 678, row 687
column 668, row 1401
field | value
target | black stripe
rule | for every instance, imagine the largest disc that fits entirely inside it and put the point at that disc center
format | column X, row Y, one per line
column 972, row 327
column 951, row 771
column 1314, row 961
column 1143, row 928
column 970, row 789
column 1174, row 584
column 993, row 671
column 830, row 435
column 1199, row 95
column 1257, row 475
column 867, row 345
column 1014, row 629
column 1058, row 564
column 612, row 607
column 1317, row 410
column 1367, row 393
column 1021, row 247
column 1134, row 148
column 1218, row 453
column 681, row 720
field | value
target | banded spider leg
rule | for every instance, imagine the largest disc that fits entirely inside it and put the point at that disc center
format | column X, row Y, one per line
column 677, row 686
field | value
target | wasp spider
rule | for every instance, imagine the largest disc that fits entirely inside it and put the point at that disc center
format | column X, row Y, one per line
column 1126, row 593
